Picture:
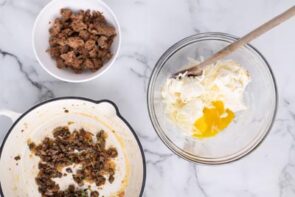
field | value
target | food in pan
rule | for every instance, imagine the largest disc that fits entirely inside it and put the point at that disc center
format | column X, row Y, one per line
column 78, row 156
column 81, row 41
column 205, row 105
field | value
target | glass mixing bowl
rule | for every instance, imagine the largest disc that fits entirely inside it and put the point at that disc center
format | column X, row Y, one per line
column 249, row 127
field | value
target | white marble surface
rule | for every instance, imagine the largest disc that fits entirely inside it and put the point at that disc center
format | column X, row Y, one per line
column 149, row 27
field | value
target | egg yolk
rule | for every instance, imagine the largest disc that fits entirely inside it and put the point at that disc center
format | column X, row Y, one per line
column 214, row 120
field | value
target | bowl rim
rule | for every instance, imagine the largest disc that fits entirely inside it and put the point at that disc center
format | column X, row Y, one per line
column 91, row 101
column 175, row 149
column 98, row 72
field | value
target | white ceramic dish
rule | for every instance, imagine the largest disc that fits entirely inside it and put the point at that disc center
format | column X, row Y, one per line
column 18, row 176
column 41, row 37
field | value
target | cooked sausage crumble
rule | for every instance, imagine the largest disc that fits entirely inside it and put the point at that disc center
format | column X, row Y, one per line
column 79, row 148
column 81, row 40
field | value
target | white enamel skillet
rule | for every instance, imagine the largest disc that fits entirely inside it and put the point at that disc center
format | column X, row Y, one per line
column 17, row 175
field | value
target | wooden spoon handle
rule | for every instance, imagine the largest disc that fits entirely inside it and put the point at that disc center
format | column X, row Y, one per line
column 242, row 41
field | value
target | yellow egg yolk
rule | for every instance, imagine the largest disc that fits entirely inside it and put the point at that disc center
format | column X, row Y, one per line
column 214, row 120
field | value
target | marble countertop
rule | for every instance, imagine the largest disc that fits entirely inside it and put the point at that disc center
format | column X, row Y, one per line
column 149, row 27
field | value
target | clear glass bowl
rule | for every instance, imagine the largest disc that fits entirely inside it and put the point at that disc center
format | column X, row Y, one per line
column 248, row 129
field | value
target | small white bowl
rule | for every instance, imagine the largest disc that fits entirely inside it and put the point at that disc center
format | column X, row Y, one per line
column 41, row 37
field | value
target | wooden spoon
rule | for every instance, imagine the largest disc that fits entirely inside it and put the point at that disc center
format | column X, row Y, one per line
column 198, row 69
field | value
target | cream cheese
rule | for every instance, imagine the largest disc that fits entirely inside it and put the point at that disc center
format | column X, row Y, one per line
column 185, row 97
